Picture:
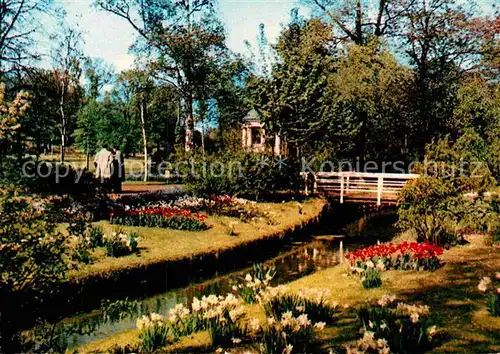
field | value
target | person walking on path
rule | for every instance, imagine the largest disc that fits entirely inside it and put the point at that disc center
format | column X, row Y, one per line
column 103, row 163
column 118, row 170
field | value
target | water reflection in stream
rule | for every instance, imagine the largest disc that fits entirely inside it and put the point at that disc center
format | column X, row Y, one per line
column 297, row 261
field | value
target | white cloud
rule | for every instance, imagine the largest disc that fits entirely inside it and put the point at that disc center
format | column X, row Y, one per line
column 106, row 35
column 123, row 62
column 110, row 37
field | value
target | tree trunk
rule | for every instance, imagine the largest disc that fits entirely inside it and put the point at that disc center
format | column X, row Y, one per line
column 145, row 142
column 362, row 137
column 63, row 147
column 359, row 23
column 63, row 122
column 178, row 128
column 189, row 124
column 87, row 159
column 203, row 138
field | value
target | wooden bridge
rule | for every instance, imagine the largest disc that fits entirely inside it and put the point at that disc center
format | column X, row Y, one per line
column 358, row 186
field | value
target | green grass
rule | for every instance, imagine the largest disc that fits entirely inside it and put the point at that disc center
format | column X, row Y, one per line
column 76, row 160
column 157, row 244
column 451, row 292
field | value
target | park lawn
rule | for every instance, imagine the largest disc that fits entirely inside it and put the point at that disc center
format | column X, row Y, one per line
column 160, row 245
column 451, row 292
column 133, row 165
column 464, row 325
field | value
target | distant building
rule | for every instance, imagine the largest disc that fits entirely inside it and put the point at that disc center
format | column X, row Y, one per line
column 253, row 135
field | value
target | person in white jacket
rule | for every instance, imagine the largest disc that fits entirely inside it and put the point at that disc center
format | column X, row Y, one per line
column 103, row 162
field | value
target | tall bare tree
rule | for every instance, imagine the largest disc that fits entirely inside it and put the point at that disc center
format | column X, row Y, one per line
column 185, row 39
column 358, row 20
column 19, row 20
column 67, row 59
column 140, row 84
column 441, row 41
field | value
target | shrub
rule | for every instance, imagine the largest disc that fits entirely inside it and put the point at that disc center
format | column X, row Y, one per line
column 246, row 175
column 371, row 279
column 435, row 204
column 407, row 328
column 153, row 332
column 34, row 258
column 120, row 244
column 61, row 179
column 32, row 253
column 463, row 164
column 160, row 217
column 491, row 287
column 424, row 205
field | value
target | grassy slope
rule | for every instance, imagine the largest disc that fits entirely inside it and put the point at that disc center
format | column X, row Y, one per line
column 157, row 245
column 451, row 291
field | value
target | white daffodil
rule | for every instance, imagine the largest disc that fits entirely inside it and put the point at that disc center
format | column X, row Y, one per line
column 320, row 325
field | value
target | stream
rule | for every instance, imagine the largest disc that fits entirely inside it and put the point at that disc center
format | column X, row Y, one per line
column 296, row 260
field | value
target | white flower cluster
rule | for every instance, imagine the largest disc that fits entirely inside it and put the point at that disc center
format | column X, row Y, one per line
column 386, row 300
column 178, row 313
column 122, row 237
column 288, row 324
column 485, row 283
column 380, row 266
column 269, row 293
column 316, row 295
column 193, row 203
column 414, row 311
column 184, row 202
column 368, row 344
column 152, row 320
column 256, row 282
column 216, row 307
column 189, row 202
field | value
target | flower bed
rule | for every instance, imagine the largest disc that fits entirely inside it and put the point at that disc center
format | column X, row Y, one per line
column 215, row 205
column 394, row 327
column 404, row 256
column 164, row 217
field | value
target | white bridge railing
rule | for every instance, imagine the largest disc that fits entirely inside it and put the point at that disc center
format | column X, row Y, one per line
column 358, row 186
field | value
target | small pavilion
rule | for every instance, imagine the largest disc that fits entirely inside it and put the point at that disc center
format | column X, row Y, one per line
column 254, row 135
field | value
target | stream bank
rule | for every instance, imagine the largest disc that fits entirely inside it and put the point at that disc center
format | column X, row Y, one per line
column 301, row 250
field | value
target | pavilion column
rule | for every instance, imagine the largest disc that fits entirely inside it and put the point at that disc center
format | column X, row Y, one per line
column 277, row 145
column 249, row 138
column 262, row 137
column 244, row 137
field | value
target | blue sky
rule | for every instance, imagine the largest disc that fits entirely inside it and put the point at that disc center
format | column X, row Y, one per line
column 109, row 37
